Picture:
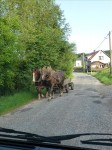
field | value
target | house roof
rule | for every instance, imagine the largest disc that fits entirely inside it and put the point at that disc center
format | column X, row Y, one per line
column 94, row 53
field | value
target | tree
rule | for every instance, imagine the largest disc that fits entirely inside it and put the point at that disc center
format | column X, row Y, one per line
column 8, row 49
column 33, row 34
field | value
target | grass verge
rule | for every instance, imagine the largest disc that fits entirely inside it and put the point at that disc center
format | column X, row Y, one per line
column 9, row 103
column 104, row 77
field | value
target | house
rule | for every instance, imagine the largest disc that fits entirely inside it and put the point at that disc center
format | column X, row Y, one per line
column 99, row 59
column 79, row 62
column 96, row 59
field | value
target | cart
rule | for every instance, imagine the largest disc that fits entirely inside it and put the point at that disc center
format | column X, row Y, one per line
column 68, row 85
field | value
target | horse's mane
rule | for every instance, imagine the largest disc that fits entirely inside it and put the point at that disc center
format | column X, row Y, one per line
column 47, row 69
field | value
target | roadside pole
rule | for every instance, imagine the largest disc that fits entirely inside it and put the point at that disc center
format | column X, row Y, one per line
column 83, row 62
column 110, row 52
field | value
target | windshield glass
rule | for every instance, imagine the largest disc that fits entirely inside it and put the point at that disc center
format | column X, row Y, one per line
column 56, row 70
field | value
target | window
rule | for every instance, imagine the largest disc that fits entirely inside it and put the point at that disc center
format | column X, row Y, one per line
column 101, row 58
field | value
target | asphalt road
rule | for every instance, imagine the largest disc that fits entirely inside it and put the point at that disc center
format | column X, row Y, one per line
column 86, row 109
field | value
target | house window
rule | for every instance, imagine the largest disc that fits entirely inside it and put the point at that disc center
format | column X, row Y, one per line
column 101, row 58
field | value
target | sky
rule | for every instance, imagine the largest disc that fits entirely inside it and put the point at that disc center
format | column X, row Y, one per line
column 90, row 22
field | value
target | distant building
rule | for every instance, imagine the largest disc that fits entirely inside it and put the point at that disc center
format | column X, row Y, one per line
column 96, row 59
column 79, row 62
column 99, row 59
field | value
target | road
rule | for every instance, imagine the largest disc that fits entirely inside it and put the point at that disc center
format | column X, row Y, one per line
column 86, row 109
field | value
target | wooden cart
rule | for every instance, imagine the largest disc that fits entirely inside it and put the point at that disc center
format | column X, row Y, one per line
column 68, row 85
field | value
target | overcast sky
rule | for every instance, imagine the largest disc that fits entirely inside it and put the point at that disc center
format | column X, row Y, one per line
column 90, row 22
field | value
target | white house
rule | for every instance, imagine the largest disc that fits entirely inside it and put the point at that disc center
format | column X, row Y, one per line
column 99, row 59
column 78, row 62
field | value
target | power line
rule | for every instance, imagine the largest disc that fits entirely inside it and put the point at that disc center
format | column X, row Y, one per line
column 102, row 42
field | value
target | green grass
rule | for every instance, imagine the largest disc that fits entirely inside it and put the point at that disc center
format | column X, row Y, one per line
column 104, row 77
column 9, row 103
column 100, row 70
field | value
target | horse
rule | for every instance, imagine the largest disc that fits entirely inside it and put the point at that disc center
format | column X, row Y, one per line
column 52, row 78
column 38, row 82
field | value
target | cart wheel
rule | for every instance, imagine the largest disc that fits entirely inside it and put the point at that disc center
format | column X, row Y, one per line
column 72, row 86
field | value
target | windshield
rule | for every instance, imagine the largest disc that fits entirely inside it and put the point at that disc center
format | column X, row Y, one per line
column 56, row 71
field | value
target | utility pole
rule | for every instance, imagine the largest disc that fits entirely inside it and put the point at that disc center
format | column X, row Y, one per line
column 83, row 62
column 110, row 52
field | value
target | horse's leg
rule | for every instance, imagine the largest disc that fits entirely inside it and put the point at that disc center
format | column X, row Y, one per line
column 46, row 95
column 52, row 91
column 61, row 90
column 49, row 93
column 53, row 94
column 40, row 94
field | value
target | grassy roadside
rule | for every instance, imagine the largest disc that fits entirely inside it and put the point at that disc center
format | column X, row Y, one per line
column 9, row 103
column 103, row 76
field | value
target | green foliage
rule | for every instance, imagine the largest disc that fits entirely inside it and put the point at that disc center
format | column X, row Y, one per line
column 80, row 55
column 100, row 70
column 67, row 58
column 32, row 34
column 8, row 45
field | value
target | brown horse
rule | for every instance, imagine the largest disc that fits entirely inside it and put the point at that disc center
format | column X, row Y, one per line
column 38, row 82
column 52, row 78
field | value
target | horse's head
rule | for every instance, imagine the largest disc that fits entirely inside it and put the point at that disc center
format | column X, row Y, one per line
column 46, row 73
column 36, row 75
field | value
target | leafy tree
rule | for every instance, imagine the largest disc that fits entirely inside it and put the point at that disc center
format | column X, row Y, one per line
column 33, row 33
column 8, row 49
